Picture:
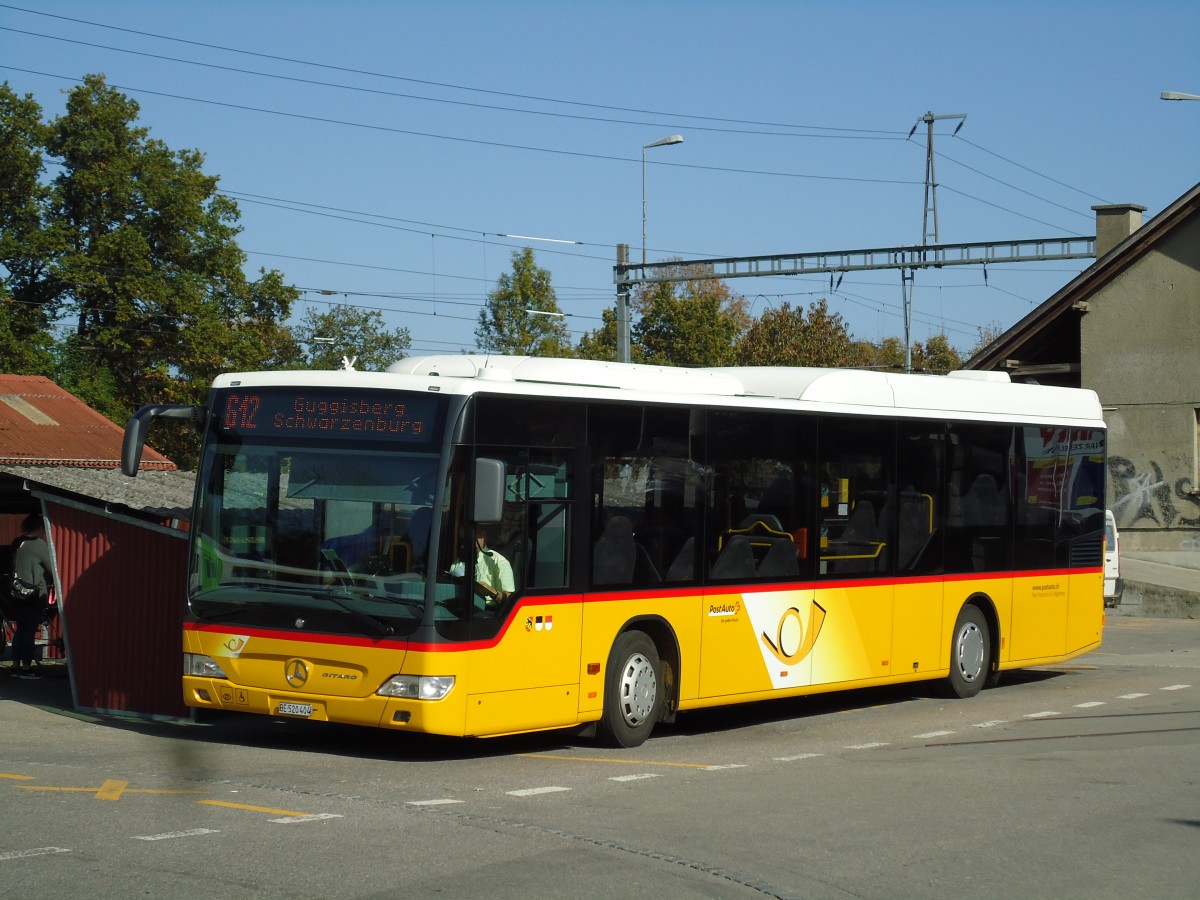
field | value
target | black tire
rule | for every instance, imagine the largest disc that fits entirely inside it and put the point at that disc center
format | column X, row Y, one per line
column 970, row 653
column 633, row 691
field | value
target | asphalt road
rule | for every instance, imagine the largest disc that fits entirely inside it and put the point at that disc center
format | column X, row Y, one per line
column 1078, row 780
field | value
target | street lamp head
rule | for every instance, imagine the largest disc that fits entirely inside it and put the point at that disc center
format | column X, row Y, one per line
column 1177, row 95
column 664, row 142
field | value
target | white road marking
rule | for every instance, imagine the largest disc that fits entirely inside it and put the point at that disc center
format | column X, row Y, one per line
column 798, row 756
column 726, row 766
column 990, row 723
column 1089, row 704
column 530, row 792
column 1131, row 696
column 36, row 851
column 1046, row 714
column 931, row 734
column 868, row 746
column 166, row 836
column 635, row 777
column 445, row 801
column 1175, row 687
column 315, row 817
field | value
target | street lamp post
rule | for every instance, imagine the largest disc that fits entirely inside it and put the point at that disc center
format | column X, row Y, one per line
column 661, row 142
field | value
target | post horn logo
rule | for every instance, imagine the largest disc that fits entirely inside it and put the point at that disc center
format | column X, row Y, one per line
column 793, row 641
column 296, row 672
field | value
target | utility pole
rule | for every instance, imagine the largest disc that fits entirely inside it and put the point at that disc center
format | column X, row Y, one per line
column 908, row 276
column 623, row 290
column 930, row 180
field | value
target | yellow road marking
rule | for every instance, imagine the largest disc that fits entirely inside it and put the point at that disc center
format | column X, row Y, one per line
column 17, row 777
column 628, row 762
column 245, row 806
column 110, row 790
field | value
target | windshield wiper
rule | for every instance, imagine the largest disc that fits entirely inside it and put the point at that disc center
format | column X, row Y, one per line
column 340, row 599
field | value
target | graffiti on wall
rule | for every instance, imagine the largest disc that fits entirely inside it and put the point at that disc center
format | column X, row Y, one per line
column 1146, row 496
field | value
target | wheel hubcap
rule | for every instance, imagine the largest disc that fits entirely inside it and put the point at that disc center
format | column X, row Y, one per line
column 970, row 652
column 639, row 688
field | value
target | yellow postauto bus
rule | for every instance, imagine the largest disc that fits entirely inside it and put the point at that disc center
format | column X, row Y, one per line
column 482, row 546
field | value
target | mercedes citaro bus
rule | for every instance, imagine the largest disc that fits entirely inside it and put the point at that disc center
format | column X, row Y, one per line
column 677, row 539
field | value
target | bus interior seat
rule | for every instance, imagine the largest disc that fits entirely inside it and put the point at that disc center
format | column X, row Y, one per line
column 614, row 557
column 780, row 561
column 735, row 561
column 767, row 520
column 914, row 527
column 683, row 567
column 644, row 570
column 982, row 505
column 860, row 527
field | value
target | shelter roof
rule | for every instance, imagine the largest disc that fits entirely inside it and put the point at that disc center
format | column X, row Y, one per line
column 43, row 425
column 161, row 494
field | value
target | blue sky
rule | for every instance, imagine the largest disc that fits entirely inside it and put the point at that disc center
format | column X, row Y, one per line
column 383, row 148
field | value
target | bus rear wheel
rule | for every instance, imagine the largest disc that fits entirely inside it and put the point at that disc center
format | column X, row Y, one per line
column 632, row 691
column 970, row 653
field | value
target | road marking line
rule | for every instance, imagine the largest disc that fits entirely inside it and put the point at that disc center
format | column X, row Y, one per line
column 931, row 734
column 990, row 723
column 868, row 746
column 797, row 757
column 110, row 790
column 1047, row 714
column 192, row 832
column 1131, row 696
column 17, row 777
column 1175, row 687
column 530, row 792
column 726, row 766
column 36, row 851
column 635, row 777
column 248, row 808
column 443, row 802
column 604, row 759
column 1089, row 704
column 314, row 817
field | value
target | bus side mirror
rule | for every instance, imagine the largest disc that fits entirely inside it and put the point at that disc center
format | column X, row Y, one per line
column 488, row 502
column 139, row 424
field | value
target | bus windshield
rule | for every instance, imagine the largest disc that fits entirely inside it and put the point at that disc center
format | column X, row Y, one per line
column 323, row 537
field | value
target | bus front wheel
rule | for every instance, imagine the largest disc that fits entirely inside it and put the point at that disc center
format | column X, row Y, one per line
column 632, row 691
column 970, row 653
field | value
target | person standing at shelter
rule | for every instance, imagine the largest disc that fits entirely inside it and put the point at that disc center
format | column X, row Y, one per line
column 31, row 563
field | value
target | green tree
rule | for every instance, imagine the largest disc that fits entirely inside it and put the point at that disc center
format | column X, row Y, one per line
column 936, row 356
column 988, row 334
column 346, row 331
column 132, row 241
column 787, row 336
column 25, row 314
column 521, row 316
column 694, row 322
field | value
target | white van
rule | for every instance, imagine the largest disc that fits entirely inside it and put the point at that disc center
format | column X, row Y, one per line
column 1113, row 583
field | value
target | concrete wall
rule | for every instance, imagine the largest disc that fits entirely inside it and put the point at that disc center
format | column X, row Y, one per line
column 1139, row 353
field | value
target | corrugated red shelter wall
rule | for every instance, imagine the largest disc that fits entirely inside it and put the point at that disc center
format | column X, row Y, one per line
column 122, row 611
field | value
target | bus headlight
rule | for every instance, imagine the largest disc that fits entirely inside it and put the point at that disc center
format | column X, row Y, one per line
column 417, row 687
column 202, row 666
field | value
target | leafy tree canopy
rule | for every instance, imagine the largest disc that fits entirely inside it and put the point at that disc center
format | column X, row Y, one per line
column 791, row 336
column 131, row 253
column 351, row 333
column 521, row 316
column 694, row 322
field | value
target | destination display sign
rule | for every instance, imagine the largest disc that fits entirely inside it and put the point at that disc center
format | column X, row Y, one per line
column 325, row 413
